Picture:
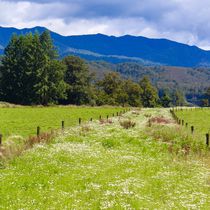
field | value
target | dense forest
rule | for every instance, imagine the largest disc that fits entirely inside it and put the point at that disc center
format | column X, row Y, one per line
column 32, row 74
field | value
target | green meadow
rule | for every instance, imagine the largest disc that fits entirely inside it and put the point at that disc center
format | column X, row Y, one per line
column 199, row 118
column 102, row 165
column 23, row 121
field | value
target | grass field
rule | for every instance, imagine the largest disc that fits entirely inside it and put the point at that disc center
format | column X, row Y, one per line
column 23, row 121
column 199, row 118
column 104, row 166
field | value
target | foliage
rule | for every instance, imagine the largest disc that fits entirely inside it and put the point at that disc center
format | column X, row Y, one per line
column 191, row 81
column 178, row 98
column 27, row 71
column 78, row 79
column 50, row 87
column 165, row 99
column 149, row 94
column 207, row 97
column 113, row 90
column 31, row 74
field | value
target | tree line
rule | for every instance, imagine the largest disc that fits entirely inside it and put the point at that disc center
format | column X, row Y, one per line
column 32, row 74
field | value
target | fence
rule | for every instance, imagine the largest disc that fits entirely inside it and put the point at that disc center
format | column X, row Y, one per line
column 186, row 124
column 38, row 128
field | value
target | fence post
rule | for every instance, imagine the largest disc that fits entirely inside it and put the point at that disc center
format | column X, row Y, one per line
column 207, row 139
column 38, row 131
column 149, row 123
column 0, row 139
column 80, row 120
column 192, row 129
column 107, row 117
column 62, row 125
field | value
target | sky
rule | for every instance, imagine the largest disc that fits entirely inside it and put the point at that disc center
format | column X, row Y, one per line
column 186, row 21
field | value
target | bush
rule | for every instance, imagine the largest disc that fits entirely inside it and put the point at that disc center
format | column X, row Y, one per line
column 127, row 124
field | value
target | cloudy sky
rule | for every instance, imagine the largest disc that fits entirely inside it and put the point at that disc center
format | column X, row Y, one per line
column 186, row 21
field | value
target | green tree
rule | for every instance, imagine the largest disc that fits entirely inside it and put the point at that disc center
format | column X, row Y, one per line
column 51, row 86
column 113, row 90
column 149, row 96
column 110, row 83
column 23, row 57
column 178, row 98
column 78, row 79
column 133, row 91
column 205, row 102
column 26, row 76
column 47, row 45
column 110, row 88
column 165, row 99
column 207, row 95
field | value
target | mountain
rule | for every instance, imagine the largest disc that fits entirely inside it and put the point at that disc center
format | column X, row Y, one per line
column 120, row 49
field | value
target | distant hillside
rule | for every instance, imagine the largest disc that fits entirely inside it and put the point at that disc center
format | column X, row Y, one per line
column 121, row 49
column 192, row 81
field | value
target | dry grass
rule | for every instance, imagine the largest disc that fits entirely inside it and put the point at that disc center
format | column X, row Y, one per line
column 105, row 121
column 135, row 113
column 160, row 120
column 16, row 145
column 127, row 124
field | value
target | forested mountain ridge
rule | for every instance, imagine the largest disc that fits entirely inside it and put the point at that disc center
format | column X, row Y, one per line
column 192, row 81
column 120, row 49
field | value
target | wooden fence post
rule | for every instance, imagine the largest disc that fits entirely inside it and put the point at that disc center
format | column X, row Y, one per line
column 192, row 129
column 149, row 123
column 62, row 125
column 207, row 139
column 0, row 139
column 38, row 131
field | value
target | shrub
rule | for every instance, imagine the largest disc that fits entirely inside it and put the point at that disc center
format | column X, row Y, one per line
column 127, row 124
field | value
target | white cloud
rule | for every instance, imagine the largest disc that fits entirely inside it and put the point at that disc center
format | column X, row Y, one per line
column 180, row 20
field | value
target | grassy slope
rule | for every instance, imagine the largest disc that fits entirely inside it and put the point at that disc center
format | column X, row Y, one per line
column 105, row 167
column 199, row 118
column 24, row 120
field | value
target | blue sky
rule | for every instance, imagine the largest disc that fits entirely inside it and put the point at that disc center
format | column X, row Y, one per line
column 186, row 21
